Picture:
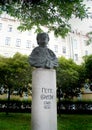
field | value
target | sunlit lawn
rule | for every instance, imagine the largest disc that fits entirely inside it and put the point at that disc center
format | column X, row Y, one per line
column 21, row 121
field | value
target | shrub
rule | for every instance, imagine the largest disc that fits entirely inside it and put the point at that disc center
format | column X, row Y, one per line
column 15, row 105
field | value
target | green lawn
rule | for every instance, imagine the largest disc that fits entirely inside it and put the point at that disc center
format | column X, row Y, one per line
column 75, row 122
column 15, row 121
column 65, row 122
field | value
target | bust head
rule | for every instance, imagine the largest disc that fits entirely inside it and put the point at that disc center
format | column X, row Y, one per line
column 42, row 39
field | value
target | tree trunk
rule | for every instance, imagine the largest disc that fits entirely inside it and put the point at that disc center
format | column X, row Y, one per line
column 8, row 101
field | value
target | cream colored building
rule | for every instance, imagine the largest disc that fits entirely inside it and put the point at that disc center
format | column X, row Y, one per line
column 86, row 94
column 73, row 46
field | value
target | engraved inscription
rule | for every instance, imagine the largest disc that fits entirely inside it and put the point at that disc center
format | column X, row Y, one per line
column 47, row 97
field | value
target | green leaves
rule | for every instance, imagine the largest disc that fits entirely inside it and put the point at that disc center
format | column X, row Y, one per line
column 68, row 78
column 52, row 14
column 15, row 72
column 88, row 66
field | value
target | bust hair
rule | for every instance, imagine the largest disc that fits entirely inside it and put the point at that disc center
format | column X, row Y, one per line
column 41, row 34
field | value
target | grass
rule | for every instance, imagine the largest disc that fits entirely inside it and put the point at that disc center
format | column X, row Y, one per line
column 75, row 122
column 14, row 121
column 21, row 121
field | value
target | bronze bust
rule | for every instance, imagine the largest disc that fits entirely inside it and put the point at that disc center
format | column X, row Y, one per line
column 41, row 56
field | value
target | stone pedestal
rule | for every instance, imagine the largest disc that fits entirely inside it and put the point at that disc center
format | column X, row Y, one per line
column 44, row 112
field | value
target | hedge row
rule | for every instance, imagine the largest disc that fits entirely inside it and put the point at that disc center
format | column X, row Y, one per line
column 62, row 107
column 74, row 107
column 15, row 106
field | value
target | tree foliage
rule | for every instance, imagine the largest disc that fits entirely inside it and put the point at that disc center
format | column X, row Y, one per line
column 15, row 72
column 54, row 14
column 68, row 78
column 88, row 66
column 88, row 72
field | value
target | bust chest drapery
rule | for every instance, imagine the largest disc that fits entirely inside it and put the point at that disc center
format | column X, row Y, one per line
column 43, row 58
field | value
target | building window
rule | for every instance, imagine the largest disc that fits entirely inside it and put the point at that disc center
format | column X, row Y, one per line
column 64, row 49
column 56, row 48
column 90, row 16
column 33, row 46
column 63, row 40
column 9, row 28
column 7, row 41
column 18, row 42
column 86, row 52
column 76, row 57
column 29, row 33
column 0, row 26
column 85, row 42
column 74, row 44
column 6, row 54
column 28, row 44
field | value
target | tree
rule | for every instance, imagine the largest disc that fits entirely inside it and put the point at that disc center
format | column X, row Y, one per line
column 15, row 73
column 68, row 78
column 54, row 14
column 88, row 72
column 88, row 66
column 22, row 72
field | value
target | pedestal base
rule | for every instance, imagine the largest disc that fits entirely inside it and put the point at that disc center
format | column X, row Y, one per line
column 44, row 112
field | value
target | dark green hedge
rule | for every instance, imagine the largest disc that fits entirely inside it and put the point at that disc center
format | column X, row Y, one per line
column 78, row 107
column 75, row 107
column 15, row 105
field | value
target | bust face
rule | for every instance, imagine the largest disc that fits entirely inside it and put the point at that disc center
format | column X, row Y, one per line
column 42, row 39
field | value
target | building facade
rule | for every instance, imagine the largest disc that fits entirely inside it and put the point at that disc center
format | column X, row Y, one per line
column 12, row 40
